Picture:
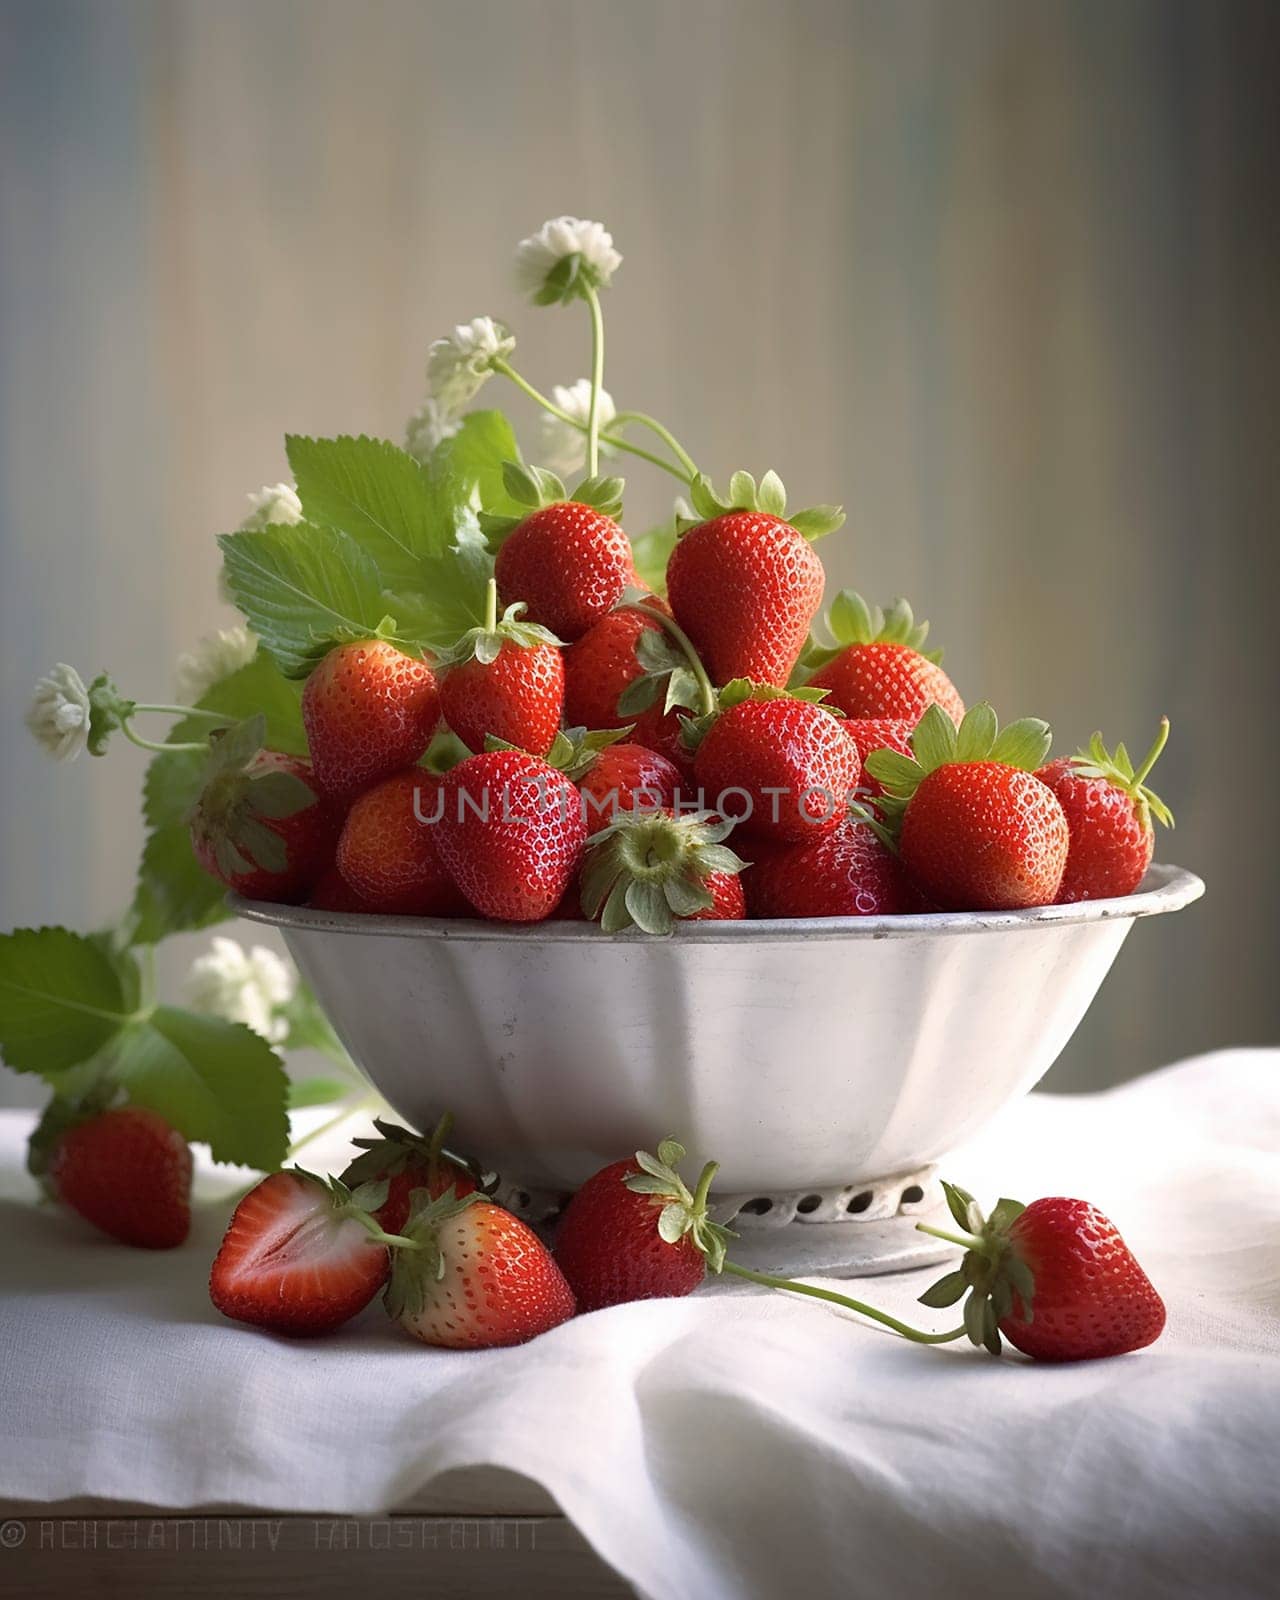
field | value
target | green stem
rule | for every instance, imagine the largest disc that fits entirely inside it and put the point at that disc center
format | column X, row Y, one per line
column 491, row 607
column 597, row 381
column 668, row 438
column 150, row 744
column 915, row 1334
column 706, row 689
column 704, row 1188
column 615, row 440
column 188, row 711
column 966, row 1241
column 1153, row 755
column 327, row 1127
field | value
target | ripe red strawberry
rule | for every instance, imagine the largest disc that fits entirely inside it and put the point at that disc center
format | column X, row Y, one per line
column 600, row 666
column 511, row 833
column 651, row 869
column 300, row 1255
column 881, row 670
column 504, row 679
column 478, row 1279
column 369, row 710
column 258, row 825
column 783, row 766
column 388, row 850
column 846, row 871
column 569, row 563
column 744, row 587
column 635, row 1232
column 877, row 733
column 128, row 1172
column 1109, row 810
column 627, row 777
column 333, row 893
column 1055, row 1278
column 977, row 830
column 406, row 1162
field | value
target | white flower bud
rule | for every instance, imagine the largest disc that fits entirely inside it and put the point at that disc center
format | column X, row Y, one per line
column 543, row 251
column 59, row 713
column 564, row 448
column 241, row 985
column 458, row 365
column 214, row 657
column 273, row 503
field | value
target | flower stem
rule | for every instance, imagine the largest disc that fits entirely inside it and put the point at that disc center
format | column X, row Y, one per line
column 491, row 607
column 917, row 1335
column 668, row 438
column 319, row 1131
column 597, row 381
column 189, row 711
column 706, row 689
column 150, row 744
column 615, row 440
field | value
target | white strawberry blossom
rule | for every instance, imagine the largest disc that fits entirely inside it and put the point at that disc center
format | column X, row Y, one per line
column 539, row 254
column 214, row 657
column 242, row 985
column 59, row 713
column 458, row 364
column 429, row 426
column 273, row 503
column 564, row 448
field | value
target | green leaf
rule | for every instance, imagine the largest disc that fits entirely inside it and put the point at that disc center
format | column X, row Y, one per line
column 377, row 494
column 304, row 1092
column 466, row 469
column 63, row 997
column 1024, row 744
column 303, row 589
column 958, row 1202
column 217, row 1082
column 174, row 893
column 452, row 600
column 946, row 1291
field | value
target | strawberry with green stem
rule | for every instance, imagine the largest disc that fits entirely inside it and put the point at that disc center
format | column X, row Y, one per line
column 258, row 825
column 649, row 870
column 124, row 1169
column 878, row 666
column 1109, row 810
column 1055, row 1278
column 504, row 678
column 975, row 827
column 407, row 1162
column 745, row 582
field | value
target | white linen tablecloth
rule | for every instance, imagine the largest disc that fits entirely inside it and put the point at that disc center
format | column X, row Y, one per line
column 738, row 1442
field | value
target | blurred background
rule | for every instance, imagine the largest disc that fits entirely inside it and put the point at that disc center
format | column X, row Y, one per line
column 1003, row 277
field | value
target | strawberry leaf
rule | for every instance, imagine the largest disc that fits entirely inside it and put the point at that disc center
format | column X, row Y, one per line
column 63, row 997
column 304, row 1092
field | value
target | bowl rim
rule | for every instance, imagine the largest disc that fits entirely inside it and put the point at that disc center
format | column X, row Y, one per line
column 1165, row 888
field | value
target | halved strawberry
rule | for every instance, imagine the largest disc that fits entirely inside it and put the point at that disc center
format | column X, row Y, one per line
column 301, row 1255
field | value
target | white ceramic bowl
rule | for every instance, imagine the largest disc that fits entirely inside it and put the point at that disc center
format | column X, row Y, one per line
column 817, row 1055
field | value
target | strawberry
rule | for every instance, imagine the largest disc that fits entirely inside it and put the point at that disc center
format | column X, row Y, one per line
column 369, row 710
column 846, row 871
column 627, row 777
column 407, row 1162
column 510, row 833
column 635, row 1232
column 1055, row 1278
column 744, row 587
column 877, row 668
column 301, row 1255
column 600, row 666
column 877, row 733
column 569, row 563
column 388, row 851
column 1109, row 810
column 650, row 869
column 258, row 825
column 505, row 679
column 976, row 829
column 476, row 1278
column 780, row 763
column 332, row 892
column 128, row 1172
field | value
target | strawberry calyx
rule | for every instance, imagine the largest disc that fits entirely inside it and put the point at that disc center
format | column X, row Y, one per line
column 683, row 1214
column 235, row 803
column 484, row 642
column 397, row 1148
column 937, row 742
column 850, row 620
column 992, row 1274
column 1096, row 761
column 356, row 1204
column 648, row 869
column 574, row 751
column 769, row 496
column 669, row 664
column 417, row 1261
column 693, row 730
column 535, row 487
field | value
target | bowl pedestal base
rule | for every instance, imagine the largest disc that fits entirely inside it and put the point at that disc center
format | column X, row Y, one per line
column 855, row 1230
